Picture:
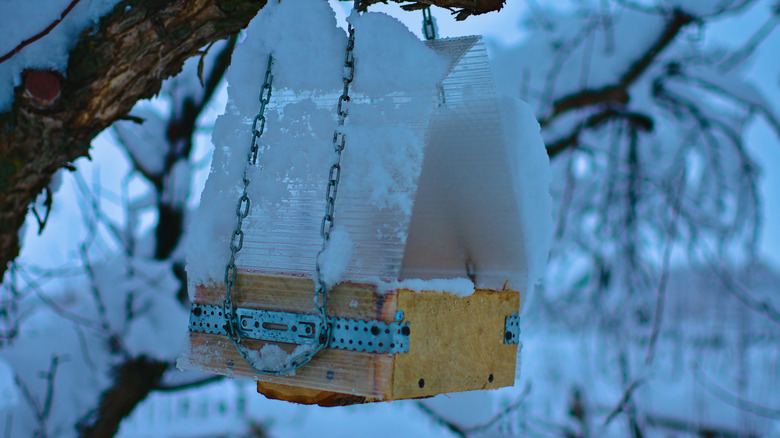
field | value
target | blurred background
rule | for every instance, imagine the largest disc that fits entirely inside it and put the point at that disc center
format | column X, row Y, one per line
column 659, row 314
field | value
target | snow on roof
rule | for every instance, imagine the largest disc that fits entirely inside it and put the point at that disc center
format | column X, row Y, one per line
column 467, row 188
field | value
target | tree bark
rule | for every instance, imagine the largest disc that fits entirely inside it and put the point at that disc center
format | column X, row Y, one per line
column 135, row 47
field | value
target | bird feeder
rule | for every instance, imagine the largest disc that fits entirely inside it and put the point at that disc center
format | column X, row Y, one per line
column 394, row 330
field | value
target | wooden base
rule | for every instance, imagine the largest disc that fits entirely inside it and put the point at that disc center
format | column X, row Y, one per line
column 455, row 343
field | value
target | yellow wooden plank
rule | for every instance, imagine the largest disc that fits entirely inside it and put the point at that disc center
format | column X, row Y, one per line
column 455, row 343
column 292, row 294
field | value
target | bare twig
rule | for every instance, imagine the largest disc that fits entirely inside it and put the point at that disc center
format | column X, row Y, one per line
column 662, row 283
column 49, row 376
column 189, row 385
column 464, row 432
column 510, row 408
column 539, row 16
column 41, row 34
column 639, row 7
column 767, row 114
column 56, row 308
column 623, row 402
column 435, row 416
column 47, row 204
column 732, row 399
column 84, row 348
column 93, row 287
column 42, row 412
column 763, row 307
column 729, row 9
column 37, row 411
column 738, row 57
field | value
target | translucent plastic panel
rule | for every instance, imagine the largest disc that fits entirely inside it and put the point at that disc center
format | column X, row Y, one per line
column 466, row 211
column 283, row 237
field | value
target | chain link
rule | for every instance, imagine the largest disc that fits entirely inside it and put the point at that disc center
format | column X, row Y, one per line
column 429, row 28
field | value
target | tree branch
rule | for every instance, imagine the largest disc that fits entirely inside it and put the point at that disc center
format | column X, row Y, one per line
column 449, row 425
column 464, row 432
column 462, row 9
column 638, row 121
column 189, row 385
column 134, row 380
column 618, row 93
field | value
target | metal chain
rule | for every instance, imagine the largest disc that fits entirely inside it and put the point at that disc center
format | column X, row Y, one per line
column 334, row 176
column 242, row 211
column 429, row 31
column 237, row 239
column 429, row 28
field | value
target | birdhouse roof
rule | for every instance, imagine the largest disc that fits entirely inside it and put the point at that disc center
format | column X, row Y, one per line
column 430, row 178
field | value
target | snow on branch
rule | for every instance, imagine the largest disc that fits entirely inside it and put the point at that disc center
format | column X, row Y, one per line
column 41, row 34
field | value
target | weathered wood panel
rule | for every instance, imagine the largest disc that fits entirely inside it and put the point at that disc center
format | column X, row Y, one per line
column 456, row 343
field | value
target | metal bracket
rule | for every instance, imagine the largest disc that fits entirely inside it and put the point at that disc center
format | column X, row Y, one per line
column 292, row 328
column 512, row 329
column 301, row 328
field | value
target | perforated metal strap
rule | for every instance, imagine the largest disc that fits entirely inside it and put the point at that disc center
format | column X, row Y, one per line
column 301, row 328
column 512, row 329
column 370, row 336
